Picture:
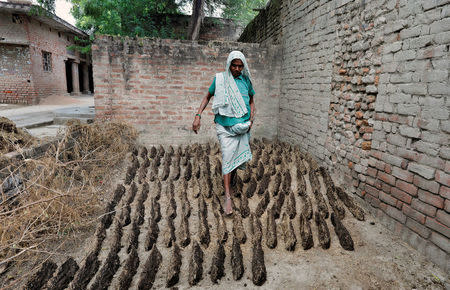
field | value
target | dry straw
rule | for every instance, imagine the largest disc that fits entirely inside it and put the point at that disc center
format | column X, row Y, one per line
column 61, row 191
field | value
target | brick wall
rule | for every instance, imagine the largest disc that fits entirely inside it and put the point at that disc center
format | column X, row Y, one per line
column 24, row 80
column 365, row 88
column 15, row 74
column 158, row 85
column 266, row 27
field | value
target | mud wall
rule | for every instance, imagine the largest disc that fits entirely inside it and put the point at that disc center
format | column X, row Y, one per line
column 365, row 88
column 157, row 85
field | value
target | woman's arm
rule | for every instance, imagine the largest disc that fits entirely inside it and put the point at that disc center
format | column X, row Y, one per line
column 252, row 110
column 204, row 103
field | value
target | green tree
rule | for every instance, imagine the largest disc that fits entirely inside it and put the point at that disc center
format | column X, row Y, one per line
column 242, row 10
column 125, row 17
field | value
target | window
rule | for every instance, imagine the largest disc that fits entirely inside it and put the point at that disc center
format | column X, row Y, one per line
column 17, row 19
column 47, row 61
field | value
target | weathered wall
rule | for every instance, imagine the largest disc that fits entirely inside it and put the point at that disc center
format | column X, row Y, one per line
column 158, row 85
column 365, row 88
column 24, row 80
column 15, row 74
column 267, row 26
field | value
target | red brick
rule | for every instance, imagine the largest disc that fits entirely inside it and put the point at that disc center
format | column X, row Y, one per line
column 428, row 197
column 375, row 202
column 447, row 205
column 388, row 169
column 396, row 214
column 376, row 154
column 412, row 213
column 387, row 198
column 372, row 172
column 407, row 187
column 438, row 227
column 372, row 191
column 401, row 195
column 443, row 217
column 386, row 178
column 443, row 178
column 429, row 185
column 444, row 191
column 402, row 174
column 424, row 208
column 386, row 188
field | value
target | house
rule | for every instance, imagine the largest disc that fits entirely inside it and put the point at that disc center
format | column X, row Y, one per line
column 35, row 59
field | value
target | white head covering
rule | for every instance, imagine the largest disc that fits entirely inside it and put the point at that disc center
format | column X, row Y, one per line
column 228, row 100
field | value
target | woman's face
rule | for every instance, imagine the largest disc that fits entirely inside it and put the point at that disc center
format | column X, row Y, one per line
column 236, row 67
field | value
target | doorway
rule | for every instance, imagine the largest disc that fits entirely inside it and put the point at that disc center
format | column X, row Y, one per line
column 68, row 64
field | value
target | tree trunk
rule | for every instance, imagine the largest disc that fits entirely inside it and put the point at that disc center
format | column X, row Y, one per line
column 196, row 18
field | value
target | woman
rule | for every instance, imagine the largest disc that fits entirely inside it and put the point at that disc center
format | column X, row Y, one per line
column 234, row 110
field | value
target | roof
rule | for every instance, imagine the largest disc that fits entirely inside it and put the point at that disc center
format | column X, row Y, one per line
column 48, row 18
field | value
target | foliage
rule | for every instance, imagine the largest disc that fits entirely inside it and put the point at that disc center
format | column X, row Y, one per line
column 48, row 5
column 242, row 10
column 126, row 17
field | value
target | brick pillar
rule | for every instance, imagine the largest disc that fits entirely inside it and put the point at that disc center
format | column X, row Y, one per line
column 85, row 79
column 75, row 79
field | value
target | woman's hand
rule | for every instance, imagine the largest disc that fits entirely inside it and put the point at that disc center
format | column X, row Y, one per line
column 196, row 124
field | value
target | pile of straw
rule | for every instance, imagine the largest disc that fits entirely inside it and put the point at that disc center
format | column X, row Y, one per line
column 62, row 191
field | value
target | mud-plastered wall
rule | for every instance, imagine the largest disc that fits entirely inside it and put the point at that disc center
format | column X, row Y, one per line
column 158, row 84
column 365, row 89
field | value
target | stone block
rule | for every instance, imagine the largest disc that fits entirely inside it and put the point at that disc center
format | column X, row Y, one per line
column 401, row 78
column 406, row 187
column 422, row 170
column 444, row 152
column 432, row 199
column 408, row 109
column 439, row 89
column 437, row 226
column 440, row 241
column 394, row 26
column 443, row 178
column 396, row 139
column 427, row 5
column 445, row 126
column 410, row 32
column 420, row 229
column 396, row 214
column 414, row 89
column 428, row 148
column 409, row 131
column 401, row 195
column 428, row 124
column 443, row 217
column 404, row 55
column 435, row 76
column 440, row 113
column 402, row 174
column 424, row 208
column 440, row 26
column 429, row 185
column 442, row 38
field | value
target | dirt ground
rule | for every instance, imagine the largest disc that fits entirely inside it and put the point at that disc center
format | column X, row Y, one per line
column 379, row 260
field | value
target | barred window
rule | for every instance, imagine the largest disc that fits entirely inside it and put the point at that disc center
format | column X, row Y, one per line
column 16, row 18
column 47, row 61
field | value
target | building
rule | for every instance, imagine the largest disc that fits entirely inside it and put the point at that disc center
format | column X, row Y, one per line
column 34, row 57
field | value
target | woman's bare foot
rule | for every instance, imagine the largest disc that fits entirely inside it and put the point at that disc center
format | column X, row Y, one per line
column 228, row 208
